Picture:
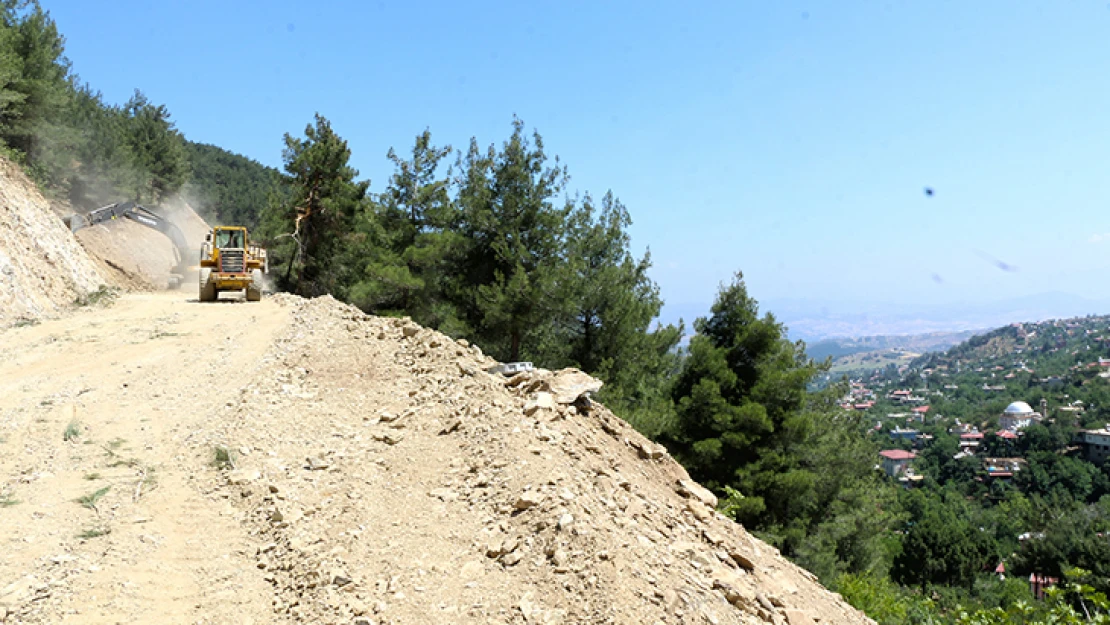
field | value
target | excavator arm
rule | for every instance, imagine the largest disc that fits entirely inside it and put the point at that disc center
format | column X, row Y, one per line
column 140, row 214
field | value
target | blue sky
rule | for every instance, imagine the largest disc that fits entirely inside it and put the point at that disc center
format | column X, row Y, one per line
column 789, row 140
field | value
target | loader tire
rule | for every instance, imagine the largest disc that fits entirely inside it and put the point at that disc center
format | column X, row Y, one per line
column 254, row 290
column 207, row 287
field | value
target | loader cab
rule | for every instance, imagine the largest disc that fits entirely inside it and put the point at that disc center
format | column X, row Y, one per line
column 230, row 238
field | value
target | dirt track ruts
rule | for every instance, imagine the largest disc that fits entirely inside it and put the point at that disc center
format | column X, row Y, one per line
column 139, row 379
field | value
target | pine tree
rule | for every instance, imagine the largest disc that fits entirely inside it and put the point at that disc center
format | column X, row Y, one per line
column 11, row 69
column 409, row 252
column 940, row 545
column 515, row 237
column 38, row 90
column 741, row 390
column 311, row 233
column 36, row 93
column 157, row 150
column 613, row 303
column 106, row 169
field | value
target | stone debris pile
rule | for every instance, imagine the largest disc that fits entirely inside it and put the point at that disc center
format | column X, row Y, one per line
column 393, row 479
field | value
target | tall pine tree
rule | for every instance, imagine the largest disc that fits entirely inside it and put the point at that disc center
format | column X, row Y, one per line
column 612, row 304
column 311, row 232
column 411, row 248
column 157, row 149
column 516, row 237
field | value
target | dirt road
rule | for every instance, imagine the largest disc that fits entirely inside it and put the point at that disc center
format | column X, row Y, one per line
column 107, row 512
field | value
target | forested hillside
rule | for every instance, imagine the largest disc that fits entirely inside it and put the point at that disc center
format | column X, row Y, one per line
column 229, row 188
column 90, row 152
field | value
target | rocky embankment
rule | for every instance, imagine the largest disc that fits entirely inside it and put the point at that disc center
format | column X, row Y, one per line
column 42, row 267
column 389, row 478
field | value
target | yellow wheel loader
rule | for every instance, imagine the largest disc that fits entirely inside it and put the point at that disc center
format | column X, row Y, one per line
column 228, row 262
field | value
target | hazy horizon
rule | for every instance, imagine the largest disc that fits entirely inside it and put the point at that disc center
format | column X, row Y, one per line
column 812, row 320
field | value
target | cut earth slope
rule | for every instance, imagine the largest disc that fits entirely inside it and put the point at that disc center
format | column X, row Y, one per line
column 43, row 269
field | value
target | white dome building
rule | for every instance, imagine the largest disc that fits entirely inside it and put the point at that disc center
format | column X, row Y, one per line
column 1018, row 415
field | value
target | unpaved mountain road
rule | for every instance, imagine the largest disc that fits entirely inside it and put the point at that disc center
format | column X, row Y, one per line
column 134, row 384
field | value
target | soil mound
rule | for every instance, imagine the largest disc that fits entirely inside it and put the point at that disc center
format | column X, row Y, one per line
column 42, row 268
column 389, row 478
column 296, row 461
column 133, row 256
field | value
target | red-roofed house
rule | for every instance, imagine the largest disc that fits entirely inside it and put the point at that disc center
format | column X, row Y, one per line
column 1006, row 434
column 1038, row 584
column 970, row 441
column 895, row 461
column 920, row 409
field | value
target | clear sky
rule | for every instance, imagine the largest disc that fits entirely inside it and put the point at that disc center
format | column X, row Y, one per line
column 790, row 140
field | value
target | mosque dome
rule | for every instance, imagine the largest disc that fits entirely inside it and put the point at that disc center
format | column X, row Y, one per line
column 1018, row 408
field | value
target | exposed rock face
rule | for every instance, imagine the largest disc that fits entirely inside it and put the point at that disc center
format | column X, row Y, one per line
column 42, row 267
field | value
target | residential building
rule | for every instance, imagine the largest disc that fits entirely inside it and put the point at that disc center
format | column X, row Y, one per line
column 904, row 434
column 896, row 461
column 1096, row 445
column 970, row 441
column 1003, row 468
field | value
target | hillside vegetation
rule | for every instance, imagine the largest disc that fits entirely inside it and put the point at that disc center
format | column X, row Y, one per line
column 89, row 152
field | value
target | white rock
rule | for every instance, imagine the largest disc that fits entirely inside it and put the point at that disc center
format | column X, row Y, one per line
column 541, row 401
column 690, row 488
column 241, row 477
column 570, row 384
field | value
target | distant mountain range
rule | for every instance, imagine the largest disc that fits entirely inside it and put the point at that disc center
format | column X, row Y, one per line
column 814, row 321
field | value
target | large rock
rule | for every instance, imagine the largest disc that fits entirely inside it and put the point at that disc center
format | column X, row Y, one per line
column 570, row 384
column 542, row 401
column 690, row 488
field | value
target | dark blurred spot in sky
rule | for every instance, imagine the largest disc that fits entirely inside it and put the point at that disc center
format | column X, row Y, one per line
column 1003, row 265
column 938, row 279
column 929, row 191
